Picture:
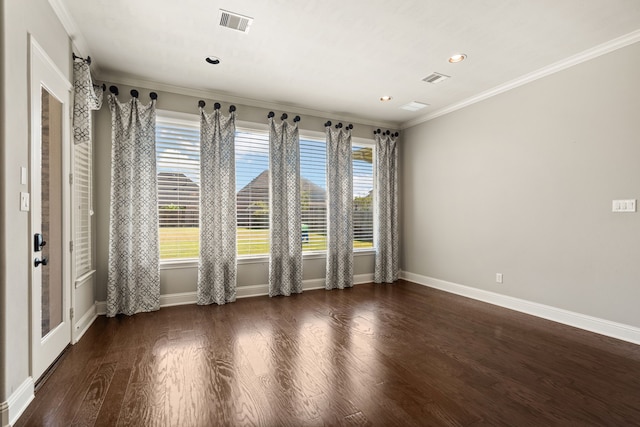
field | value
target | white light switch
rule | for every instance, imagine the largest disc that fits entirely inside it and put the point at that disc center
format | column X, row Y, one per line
column 24, row 202
column 624, row 205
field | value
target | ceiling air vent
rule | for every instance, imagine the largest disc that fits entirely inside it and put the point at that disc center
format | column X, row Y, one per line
column 414, row 106
column 235, row 21
column 435, row 78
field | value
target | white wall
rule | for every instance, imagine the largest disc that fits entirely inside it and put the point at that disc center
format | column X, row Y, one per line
column 181, row 280
column 522, row 184
column 20, row 19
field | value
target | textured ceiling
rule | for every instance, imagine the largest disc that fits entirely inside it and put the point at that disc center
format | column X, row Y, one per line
column 339, row 57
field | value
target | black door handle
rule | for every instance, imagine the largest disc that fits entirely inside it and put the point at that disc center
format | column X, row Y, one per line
column 38, row 242
column 43, row 261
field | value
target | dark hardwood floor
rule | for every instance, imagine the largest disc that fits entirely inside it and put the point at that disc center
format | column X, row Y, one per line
column 385, row 355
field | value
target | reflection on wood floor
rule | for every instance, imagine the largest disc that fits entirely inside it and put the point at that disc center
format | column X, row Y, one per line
column 397, row 354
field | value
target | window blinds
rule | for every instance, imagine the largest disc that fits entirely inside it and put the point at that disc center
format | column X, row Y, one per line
column 82, row 184
column 178, row 165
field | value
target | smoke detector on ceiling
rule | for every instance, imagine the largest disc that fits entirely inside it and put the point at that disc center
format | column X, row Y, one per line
column 435, row 78
column 235, row 21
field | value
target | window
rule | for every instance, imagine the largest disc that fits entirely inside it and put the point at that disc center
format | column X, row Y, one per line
column 178, row 160
column 252, row 192
column 178, row 165
column 82, row 184
column 313, row 194
column 362, row 196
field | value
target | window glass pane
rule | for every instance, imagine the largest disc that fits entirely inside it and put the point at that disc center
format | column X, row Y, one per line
column 252, row 186
column 313, row 197
column 362, row 196
column 178, row 162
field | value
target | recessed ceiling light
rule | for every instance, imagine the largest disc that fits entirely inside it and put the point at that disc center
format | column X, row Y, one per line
column 212, row 60
column 414, row 106
column 385, row 98
column 459, row 57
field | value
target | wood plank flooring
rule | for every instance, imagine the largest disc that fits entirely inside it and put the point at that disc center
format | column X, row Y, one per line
column 386, row 355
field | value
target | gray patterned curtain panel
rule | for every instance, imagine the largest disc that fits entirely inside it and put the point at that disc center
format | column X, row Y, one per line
column 85, row 99
column 339, row 272
column 134, row 258
column 285, row 233
column 217, row 264
column 386, row 266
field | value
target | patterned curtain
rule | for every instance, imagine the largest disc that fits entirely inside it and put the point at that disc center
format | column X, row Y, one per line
column 134, row 258
column 285, row 233
column 217, row 265
column 386, row 266
column 339, row 272
column 86, row 98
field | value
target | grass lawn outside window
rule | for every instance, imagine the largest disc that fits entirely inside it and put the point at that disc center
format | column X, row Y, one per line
column 183, row 242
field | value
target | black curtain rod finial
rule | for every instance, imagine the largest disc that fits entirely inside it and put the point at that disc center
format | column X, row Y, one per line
column 216, row 106
column 350, row 126
column 271, row 114
column 284, row 116
column 232, row 108
column 201, row 103
column 153, row 95
column 328, row 123
column 74, row 56
column 296, row 119
column 134, row 93
column 114, row 90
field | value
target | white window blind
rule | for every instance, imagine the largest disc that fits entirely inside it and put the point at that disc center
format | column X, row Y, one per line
column 363, row 203
column 178, row 159
column 82, row 185
column 313, row 185
column 178, row 165
column 252, row 192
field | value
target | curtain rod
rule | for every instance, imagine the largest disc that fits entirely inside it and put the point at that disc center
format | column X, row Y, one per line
column 283, row 117
column 216, row 106
column 114, row 90
column 388, row 132
column 339, row 125
column 87, row 60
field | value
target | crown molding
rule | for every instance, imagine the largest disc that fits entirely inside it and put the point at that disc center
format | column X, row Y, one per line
column 77, row 38
column 556, row 67
column 250, row 102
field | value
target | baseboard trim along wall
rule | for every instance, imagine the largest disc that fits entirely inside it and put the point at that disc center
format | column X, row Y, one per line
column 83, row 324
column 11, row 410
column 184, row 298
column 570, row 318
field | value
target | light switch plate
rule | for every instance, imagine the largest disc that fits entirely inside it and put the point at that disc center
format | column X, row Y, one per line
column 628, row 205
column 24, row 201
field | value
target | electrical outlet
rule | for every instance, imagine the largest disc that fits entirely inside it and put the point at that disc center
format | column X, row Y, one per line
column 498, row 277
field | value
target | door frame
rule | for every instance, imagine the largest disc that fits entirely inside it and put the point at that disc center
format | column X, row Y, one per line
column 45, row 74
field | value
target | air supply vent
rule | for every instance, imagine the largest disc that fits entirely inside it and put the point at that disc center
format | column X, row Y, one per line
column 414, row 106
column 235, row 21
column 435, row 78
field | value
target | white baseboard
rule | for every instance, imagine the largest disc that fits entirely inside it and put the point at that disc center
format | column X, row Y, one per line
column 11, row 410
column 184, row 298
column 577, row 320
column 84, row 323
